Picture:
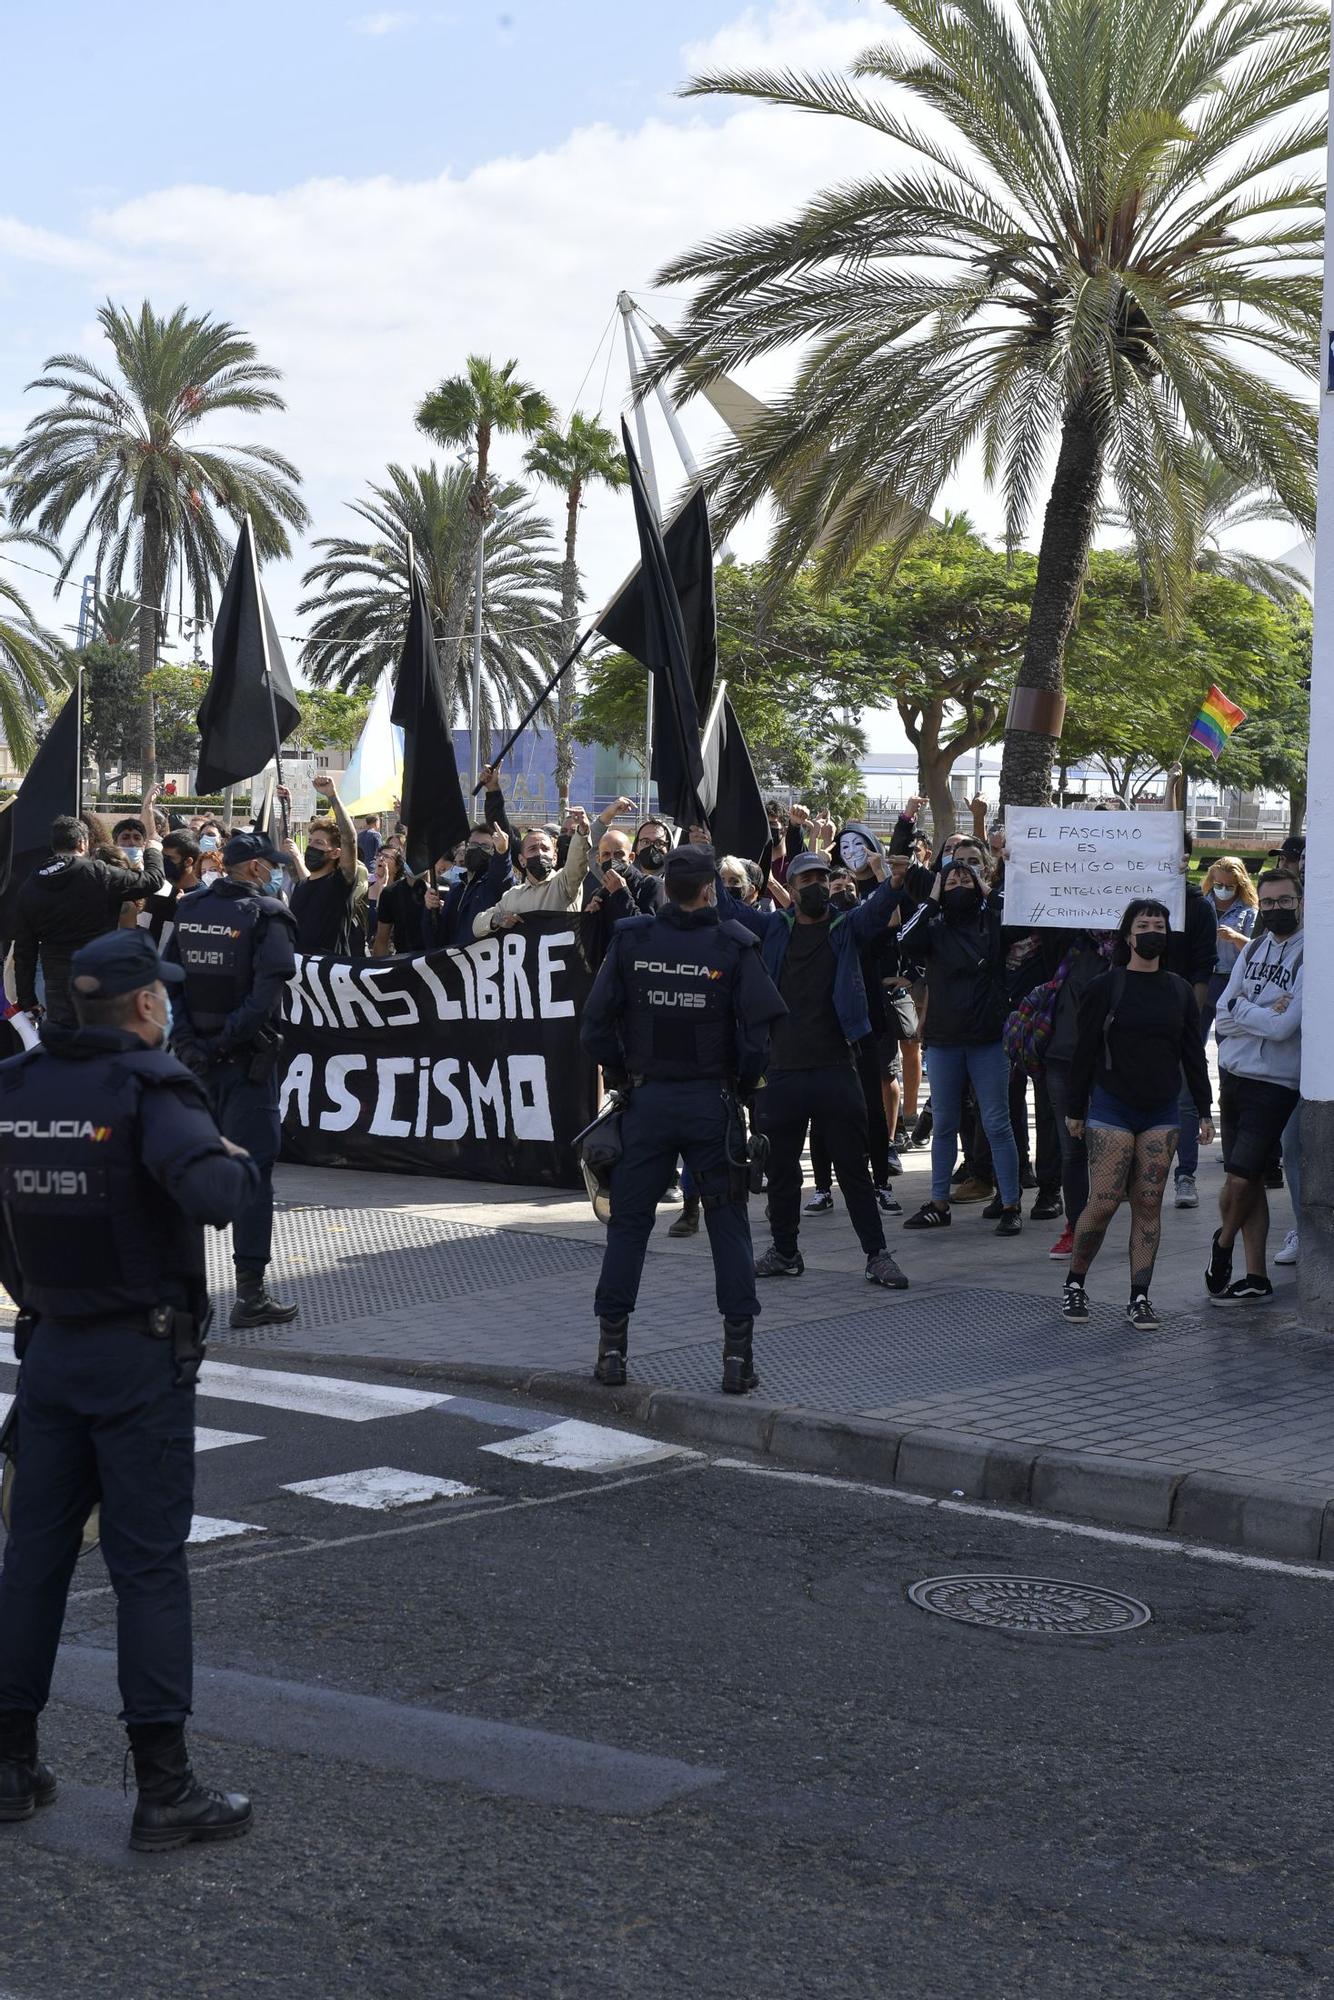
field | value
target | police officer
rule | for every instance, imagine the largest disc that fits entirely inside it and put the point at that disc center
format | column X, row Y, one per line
column 680, row 1014
column 110, row 1164
column 236, row 944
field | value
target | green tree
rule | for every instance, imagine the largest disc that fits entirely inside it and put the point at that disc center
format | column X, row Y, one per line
column 33, row 664
column 585, row 453
column 1271, row 747
column 473, row 410
column 329, row 718
column 176, row 694
column 1090, row 248
column 1225, row 504
column 111, row 696
column 359, row 599
column 122, row 443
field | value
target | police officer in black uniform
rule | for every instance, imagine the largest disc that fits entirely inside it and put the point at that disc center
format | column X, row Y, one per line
column 236, row 945
column 110, row 1164
column 679, row 1013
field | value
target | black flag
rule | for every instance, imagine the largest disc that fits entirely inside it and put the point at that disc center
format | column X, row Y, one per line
column 50, row 788
column 432, row 796
column 689, row 545
column 738, row 822
column 652, row 626
column 250, row 708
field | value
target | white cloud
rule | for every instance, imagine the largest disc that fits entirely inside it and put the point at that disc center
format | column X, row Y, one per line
column 381, row 24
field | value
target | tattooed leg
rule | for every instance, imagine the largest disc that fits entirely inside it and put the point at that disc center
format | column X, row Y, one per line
column 1111, row 1156
column 1153, row 1163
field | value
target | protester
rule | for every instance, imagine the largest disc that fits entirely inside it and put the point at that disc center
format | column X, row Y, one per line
column 1228, row 889
column 180, row 860
column 1139, row 1028
column 861, row 846
column 787, row 837
column 369, row 843
column 324, row 898
column 66, row 903
column 397, row 916
column 1192, row 954
column 1078, row 958
column 1259, row 1024
column 544, row 886
column 452, row 903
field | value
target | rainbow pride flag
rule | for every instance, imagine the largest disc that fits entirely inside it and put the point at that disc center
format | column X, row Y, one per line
column 1217, row 719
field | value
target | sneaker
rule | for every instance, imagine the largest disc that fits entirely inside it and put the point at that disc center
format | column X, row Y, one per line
column 673, row 1196
column 1074, row 1300
column 893, row 1162
column 1064, row 1246
column 971, row 1190
column 1288, row 1254
column 921, row 1130
column 820, row 1203
column 1027, row 1178
column 889, row 1201
column 1141, row 1314
column 1046, row 1208
column 882, row 1270
column 773, row 1264
column 1187, row 1196
column 929, row 1216
column 994, row 1209
column 1247, row 1291
column 903, row 1137
column 1219, row 1274
column 1011, row 1222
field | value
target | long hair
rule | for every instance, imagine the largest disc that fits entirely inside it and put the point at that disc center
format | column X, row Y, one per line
column 1143, row 906
column 1246, row 891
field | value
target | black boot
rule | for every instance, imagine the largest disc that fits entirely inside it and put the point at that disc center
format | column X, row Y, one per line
column 687, row 1222
column 173, row 1808
column 256, row 1305
column 25, row 1782
column 738, row 1360
column 613, row 1336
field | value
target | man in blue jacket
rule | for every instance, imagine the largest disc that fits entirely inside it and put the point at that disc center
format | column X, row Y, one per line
column 813, row 956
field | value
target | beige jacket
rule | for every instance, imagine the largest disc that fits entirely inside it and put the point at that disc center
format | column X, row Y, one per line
column 562, row 891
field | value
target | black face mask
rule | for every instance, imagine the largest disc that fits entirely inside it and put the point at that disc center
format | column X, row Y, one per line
column 1150, row 945
column 958, row 903
column 653, row 856
column 538, row 866
column 476, row 857
column 172, row 868
column 1280, row 923
column 843, row 899
column 813, row 899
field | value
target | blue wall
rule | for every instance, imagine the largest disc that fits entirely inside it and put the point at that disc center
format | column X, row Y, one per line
column 528, row 776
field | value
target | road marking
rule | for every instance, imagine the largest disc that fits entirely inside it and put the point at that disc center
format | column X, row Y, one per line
column 6, row 1405
column 313, row 1395
column 574, row 1446
column 1159, row 1545
column 206, row 1440
column 205, row 1528
column 381, row 1487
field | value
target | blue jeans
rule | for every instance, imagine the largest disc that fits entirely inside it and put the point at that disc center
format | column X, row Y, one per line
column 987, row 1068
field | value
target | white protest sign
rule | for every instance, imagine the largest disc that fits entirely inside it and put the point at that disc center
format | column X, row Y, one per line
column 1082, row 869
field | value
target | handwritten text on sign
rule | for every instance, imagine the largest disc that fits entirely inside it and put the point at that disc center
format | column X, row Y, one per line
column 1082, row 869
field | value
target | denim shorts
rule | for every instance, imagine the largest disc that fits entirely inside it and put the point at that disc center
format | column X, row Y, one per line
column 1104, row 1109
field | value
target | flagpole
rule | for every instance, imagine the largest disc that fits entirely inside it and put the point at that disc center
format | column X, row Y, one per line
column 478, row 586
column 268, row 673
column 542, row 699
column 78, row 749
column 627, row 306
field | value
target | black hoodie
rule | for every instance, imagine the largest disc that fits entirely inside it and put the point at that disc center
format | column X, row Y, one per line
column 67, row 902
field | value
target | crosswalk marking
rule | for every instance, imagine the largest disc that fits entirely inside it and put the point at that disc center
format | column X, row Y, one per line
column 574, row 1446
column 206, row 1440
column 207, row 1528
column 381, row 1487
column 314, row 1395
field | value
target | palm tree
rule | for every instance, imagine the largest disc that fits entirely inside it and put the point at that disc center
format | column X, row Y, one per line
column 360, row 588
column 33, row 664
column 472, row 410
column 1224, row 504
column 120, row 443
column 1086, row 253
column 572, row 459
column 117, row 621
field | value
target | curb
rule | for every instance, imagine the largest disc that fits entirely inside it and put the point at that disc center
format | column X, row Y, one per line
column 1227, row 1510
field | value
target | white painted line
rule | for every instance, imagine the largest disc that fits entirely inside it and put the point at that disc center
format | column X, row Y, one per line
column 207, row 1529
column 574, row 1446
column 206, row 1440
column 6, row 1405
column 7, row 1353
column 1159, row 1545
column 381, row 1487
column 313, row 1395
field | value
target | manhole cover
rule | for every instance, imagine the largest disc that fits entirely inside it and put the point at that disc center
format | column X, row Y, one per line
column 1030, row 1604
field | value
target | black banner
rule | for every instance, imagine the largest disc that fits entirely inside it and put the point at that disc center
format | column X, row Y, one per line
column 464, row 1063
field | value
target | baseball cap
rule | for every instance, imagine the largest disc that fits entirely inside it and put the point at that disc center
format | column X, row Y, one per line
column 119, row 962
column 807, row 864
column 250, row 847
column 688, row 865
column 1293, row 849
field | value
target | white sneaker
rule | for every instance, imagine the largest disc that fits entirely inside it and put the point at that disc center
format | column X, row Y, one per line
column 1186, row 1193
column 1288, row 1254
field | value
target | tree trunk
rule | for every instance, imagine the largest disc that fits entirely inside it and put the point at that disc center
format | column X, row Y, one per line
column 1297, row 805
column 1067, row 532
column 933, row 775
column 152, row 583
column 569, row 611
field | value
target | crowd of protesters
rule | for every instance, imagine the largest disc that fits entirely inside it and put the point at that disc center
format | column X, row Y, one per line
column 916, row 1015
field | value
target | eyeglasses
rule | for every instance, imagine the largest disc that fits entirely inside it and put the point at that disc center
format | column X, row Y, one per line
column 1278, row 903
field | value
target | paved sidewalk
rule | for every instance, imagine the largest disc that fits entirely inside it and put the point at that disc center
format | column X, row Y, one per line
column 1221, row 1425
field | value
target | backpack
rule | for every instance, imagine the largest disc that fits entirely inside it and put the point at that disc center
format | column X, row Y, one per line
column 1027, row 1033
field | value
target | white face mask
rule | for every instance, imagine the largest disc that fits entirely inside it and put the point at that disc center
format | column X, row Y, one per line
column 1222, row 894
column 854, row 851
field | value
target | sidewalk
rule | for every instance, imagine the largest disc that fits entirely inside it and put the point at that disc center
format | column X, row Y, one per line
column 1221, row 1426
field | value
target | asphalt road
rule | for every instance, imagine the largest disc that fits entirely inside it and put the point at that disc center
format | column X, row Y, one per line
column 665, row 1726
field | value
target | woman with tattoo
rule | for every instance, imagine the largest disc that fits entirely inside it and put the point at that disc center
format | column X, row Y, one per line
column 1139, row 1026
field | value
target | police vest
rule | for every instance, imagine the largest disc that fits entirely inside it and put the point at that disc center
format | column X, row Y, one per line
column 216, row 937
column 679, row 1020
column 93, row 1232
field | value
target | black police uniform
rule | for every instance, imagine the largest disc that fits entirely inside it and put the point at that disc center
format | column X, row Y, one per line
column 681, row 1010
column 236, row 947
column 110, row 1165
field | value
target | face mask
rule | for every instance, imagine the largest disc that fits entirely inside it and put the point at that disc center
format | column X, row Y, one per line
column 133, row 856
column 959, row 902
column 207, row 842
column 1222, row 894
column 653, row 856
column 172, row 868
column 1281, row 923
column 475, row 857
column 843, row 899
column 276, row 882
column 164, row 1029
column 316, row 859
column 853, row 850
column 538, row 867
column 1150, row 944
column 813, row 898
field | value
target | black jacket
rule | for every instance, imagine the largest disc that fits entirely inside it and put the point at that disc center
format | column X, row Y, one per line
column 965, row 979
column 1192, row 952
column 67, row 902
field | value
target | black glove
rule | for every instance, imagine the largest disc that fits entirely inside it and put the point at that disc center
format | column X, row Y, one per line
column 193, row 1054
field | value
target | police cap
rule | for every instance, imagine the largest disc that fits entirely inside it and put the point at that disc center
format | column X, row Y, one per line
column 119, row 962
column 250, row 847
column 690, row 867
